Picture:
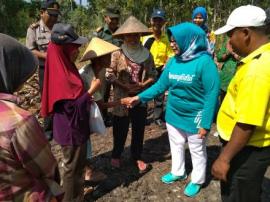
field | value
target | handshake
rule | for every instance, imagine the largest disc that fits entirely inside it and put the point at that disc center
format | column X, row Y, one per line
column 130, row 102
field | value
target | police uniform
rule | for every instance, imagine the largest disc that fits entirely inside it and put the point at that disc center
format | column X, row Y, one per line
column 37, row 38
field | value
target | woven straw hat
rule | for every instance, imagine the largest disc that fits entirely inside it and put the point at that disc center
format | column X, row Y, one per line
column 98, row 47
column 132, row 26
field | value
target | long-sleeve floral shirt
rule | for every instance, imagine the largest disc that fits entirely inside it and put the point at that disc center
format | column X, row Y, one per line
column 128, row 72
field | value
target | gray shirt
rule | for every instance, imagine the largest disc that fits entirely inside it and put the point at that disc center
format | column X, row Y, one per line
column 38, row 37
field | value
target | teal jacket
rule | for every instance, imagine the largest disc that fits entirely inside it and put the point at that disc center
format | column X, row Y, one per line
column 193, row 87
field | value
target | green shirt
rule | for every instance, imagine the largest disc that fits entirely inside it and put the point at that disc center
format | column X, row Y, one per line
column 106, row 34
column 228, row 68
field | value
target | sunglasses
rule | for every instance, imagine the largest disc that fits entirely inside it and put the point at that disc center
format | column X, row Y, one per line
column 53, row 15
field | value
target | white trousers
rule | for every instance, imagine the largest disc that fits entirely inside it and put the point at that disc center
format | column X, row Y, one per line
column 197, row 147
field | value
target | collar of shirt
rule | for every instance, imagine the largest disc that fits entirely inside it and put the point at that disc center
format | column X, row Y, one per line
column 256, row 53
column 9, row 97
column 43, row 27
column 163, row 37
column 107, row 30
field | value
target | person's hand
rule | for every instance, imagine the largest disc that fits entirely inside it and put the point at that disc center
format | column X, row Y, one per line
column 94, row 86
column 130, row 101
column 220, row 169
column 202, row 133
column 237, row 57
column 109, row 75
column 44, row 55
column 95, row 83
column 229, row 47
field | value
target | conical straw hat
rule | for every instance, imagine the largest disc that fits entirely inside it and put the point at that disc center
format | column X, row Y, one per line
column 131, row 26
column 98, row 47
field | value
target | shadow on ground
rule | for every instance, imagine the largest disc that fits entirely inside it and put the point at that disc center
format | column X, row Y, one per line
column 156, row 152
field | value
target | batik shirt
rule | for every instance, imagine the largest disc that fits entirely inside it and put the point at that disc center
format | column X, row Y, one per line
column 129, row 72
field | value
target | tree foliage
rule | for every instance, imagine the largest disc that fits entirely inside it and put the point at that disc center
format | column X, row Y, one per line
column 16, row 15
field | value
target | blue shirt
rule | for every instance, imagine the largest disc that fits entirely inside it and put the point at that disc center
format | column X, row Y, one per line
column 193, row 92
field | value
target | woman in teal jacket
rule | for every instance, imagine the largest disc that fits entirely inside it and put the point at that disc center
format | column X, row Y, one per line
column 192, row 79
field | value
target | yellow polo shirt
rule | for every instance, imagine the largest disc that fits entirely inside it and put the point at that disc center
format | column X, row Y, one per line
column 160, row 49
column 247, row 100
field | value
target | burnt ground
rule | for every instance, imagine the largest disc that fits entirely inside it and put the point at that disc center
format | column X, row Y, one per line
column 127, row 185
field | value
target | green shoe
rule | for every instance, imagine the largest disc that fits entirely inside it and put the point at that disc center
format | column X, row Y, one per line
column 169, row 178
column 192, row 189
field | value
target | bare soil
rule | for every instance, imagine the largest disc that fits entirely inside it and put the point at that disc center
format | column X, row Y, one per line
column 127, row 185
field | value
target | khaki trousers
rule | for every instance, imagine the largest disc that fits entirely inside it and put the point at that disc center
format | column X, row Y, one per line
column 74, row 159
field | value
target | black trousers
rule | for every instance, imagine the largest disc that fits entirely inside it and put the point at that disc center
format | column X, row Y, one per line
column 105, row 113
column 245, row 176
column 137, row 116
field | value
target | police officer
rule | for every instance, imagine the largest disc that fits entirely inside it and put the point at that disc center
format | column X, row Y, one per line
column 111, row 18
column 37, row 40
column 39, row 33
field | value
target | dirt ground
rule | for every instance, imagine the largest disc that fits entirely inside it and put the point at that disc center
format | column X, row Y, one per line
column 127, row 185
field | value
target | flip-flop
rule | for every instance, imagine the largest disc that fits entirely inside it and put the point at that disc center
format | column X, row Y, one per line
column 142, row 166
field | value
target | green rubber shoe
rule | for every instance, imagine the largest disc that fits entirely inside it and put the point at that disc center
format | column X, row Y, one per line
column 169, row 178
column 192, row 189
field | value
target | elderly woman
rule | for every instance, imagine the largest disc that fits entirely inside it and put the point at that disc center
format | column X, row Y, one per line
column 27, row 165
column 131, row 71
column 192, row 80
column 66, row 99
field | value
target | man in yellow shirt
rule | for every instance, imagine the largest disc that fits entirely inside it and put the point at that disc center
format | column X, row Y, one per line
column 244, row 117
column 159, row 46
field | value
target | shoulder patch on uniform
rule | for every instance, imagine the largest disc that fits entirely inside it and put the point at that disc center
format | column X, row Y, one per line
column 34, row 25
column 99, row 29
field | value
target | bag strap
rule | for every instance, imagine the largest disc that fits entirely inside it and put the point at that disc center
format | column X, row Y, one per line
column 149, row 42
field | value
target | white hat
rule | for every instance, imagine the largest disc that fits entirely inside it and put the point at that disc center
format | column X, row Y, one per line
column 244, row 16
